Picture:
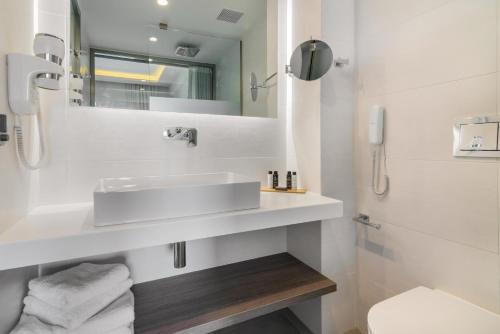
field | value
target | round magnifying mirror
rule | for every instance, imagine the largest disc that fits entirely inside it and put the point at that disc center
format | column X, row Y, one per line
column 311, row 60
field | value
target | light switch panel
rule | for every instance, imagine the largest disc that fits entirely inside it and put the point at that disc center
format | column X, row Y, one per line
column 479, row 137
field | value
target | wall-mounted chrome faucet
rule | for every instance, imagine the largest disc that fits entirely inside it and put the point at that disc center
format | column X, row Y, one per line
column 178, row 133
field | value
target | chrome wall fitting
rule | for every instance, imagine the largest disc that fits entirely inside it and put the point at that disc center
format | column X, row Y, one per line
column 188, row 134
column 180, row 255
column 365, row 220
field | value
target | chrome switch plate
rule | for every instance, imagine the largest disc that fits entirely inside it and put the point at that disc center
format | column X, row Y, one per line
column 477, row 137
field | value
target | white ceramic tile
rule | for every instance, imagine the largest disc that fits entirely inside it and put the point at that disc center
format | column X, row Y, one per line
column 419, row 122
column 54, row 183
column 453, row 200
column 53, row 110
column 374, row 16
column 427, row 62
column 430, row 49
column 398, row 259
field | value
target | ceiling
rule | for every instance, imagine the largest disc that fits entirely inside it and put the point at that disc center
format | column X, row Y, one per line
column 126, row 25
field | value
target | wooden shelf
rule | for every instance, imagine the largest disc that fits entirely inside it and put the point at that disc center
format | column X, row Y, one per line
column 279, row 322
column 288, row 191
column 216, row 298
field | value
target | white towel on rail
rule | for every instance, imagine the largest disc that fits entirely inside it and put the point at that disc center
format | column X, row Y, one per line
column 74, row 286
column 117, row 318
column 72, row 318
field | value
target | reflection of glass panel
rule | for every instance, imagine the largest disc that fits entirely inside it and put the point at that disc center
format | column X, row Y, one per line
column 128, row 81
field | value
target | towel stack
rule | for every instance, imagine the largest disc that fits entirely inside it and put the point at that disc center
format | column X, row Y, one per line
column 87, row 299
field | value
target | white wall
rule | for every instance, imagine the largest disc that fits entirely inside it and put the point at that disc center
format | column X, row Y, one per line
column 13, row 203
column 306, row 135
column 428, row 62
column 15, row 183
column 337, row 112
column 304, row 153
column 322, row 133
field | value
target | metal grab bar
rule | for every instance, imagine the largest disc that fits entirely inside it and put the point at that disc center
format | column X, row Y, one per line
column 365, row 220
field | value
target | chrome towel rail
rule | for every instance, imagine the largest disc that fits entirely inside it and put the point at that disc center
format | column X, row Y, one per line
column 365, row 220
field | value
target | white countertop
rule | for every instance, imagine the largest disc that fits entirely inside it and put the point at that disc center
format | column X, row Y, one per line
column 63, row 232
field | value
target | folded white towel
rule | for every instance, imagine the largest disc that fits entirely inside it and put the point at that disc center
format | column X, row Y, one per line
column 115, row 319
column 122, row 330
column 31, row 325
column 72, row 287
column 72, row 318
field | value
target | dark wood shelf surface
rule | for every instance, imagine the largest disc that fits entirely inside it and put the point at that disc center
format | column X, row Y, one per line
column 279, row 322
column 216, row 298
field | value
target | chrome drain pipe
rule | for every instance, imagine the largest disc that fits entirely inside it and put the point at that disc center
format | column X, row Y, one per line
column 180, row 255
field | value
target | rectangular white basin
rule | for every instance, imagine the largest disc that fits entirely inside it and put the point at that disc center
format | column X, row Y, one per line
column 130, row 200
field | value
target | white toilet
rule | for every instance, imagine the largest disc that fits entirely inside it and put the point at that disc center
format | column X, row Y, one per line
column 426, row 311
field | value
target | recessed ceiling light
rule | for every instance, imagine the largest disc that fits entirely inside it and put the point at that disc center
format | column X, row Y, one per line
column 150, row 59
column 162, row 2
column 153, row 39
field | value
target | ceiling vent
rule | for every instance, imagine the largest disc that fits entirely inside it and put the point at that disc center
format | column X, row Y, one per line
column 187, row 51
column 228, row 15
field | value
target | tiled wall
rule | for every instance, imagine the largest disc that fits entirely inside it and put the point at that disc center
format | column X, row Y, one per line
column 427, row 62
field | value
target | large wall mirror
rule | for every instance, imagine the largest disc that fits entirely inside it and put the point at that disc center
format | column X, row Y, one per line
column 187, row 56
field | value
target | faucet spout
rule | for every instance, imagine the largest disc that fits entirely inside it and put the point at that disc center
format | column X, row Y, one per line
column 188, row 134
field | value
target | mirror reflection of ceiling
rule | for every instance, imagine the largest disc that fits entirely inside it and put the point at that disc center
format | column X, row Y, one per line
column 127, row 25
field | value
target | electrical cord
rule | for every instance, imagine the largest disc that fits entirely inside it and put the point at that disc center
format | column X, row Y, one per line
column 19, row 140
column 375, row 173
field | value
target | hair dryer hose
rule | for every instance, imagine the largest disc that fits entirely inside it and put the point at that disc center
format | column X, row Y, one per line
column 19, row 139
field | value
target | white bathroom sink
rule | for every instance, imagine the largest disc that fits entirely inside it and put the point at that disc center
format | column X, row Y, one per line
column 130, row 200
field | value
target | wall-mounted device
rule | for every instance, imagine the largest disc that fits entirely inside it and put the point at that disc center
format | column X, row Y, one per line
column 477, row 137
column 27, row 73
column 376, row 138
column 376, row 125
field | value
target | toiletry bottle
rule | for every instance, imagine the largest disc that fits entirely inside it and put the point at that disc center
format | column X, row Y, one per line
column 294, row 180
column 270, row 179
column 289, row 180
column 275, row 180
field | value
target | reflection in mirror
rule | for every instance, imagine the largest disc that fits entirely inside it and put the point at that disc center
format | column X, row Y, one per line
column 311, row 60
column 179, row 57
